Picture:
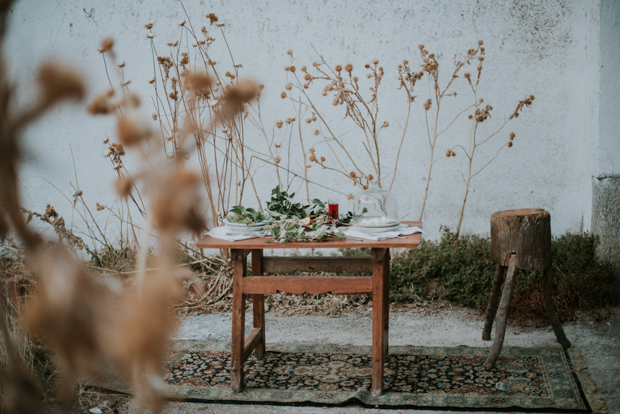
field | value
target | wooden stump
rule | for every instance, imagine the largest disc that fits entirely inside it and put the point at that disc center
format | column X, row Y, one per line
column 519, row 239
column 524, row 232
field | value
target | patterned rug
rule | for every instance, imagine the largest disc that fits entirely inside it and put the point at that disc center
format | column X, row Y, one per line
column 526, row 378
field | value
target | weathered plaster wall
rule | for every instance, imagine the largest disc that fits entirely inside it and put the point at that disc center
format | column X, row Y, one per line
column 606, row 179
column 533, row 47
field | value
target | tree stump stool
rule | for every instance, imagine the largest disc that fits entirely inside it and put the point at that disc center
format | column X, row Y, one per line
column 519, row 239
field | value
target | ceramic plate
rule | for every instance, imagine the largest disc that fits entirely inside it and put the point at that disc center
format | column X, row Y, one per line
column 388, row 225
column 244, row 228
column 375, row 229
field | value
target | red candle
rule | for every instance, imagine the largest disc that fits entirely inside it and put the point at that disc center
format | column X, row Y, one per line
column 333, row 211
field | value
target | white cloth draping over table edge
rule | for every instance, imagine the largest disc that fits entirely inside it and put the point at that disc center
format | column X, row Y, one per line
column 400, row 230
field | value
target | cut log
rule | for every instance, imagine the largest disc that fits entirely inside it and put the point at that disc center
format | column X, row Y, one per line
column 524, row 232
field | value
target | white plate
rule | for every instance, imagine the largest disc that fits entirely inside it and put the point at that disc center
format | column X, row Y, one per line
column 389, row 224
column 376, row 229
column 244, row 228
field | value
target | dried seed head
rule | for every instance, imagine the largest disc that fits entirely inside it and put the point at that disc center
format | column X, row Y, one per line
column 105, row 141
column 313, row 158
column 312, row 150
column 288, row 87
column 385, row 124
column 322, row 159
column 278, row 159
column 308, row 120
column 212, row 17
column 279, row 124
column 290, row 53
column 470, row 116
column 308, row 77
column 100, row 207
column 316, row 132
column 480, row 42
column 352, row 174
column 303, row 68
column 365, row 187
column 512, row 136
column 59, row 83
column 106, row 45
column 467, row 75
column 355, row 78
column 375, row 61
column 338, row 68
column 123, row 186
column 149, row 26
column 509, row 144
column 420, row 47
column 131, row 132
column 292, row 69
column 350, row 196
column 348, row 67
column 531, row 97
column 448, row 152
column 278, row 145
column 370, row 177
column 283, row 95
column 49, row 211
column 181, row 23
column 314, row 117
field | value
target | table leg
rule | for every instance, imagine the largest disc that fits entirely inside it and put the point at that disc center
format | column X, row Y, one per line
column 238, row 320
column 386, row 303
column 258, row 303
column 380, row 315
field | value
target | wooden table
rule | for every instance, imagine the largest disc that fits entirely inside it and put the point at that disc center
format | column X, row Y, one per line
column 259, row 285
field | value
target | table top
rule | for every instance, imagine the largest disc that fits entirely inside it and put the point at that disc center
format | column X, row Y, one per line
column 208, row 242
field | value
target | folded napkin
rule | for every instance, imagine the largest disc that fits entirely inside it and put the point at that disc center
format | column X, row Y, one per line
column 400, row 230
column 225, row 233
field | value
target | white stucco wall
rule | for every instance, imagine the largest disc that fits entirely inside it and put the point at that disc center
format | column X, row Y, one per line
column 549, row 49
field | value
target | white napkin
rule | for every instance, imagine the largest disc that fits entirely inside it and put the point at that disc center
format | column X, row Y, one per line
column 400, row 230
column 225, row 233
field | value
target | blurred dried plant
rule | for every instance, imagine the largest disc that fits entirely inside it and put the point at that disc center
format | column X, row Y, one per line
column 86, row 320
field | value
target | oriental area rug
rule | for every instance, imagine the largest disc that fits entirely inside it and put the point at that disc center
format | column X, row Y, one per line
column 538, row 379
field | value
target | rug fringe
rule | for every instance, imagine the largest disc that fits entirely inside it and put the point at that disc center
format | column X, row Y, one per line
column 589, row 386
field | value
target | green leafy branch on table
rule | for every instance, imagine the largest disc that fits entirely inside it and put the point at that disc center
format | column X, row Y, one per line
column 240, row 214
column 293, row 221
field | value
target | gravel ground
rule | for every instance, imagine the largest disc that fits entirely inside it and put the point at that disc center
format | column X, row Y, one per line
column 599, row 342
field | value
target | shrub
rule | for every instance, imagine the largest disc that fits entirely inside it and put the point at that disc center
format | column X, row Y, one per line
column 465, row 271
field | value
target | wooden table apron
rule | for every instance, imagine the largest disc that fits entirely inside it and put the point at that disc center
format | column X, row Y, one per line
column 259, row 285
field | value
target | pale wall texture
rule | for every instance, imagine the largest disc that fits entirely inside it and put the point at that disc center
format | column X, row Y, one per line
column 563, row 52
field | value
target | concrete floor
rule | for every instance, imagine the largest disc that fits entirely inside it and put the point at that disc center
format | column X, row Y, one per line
column 599, row 342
